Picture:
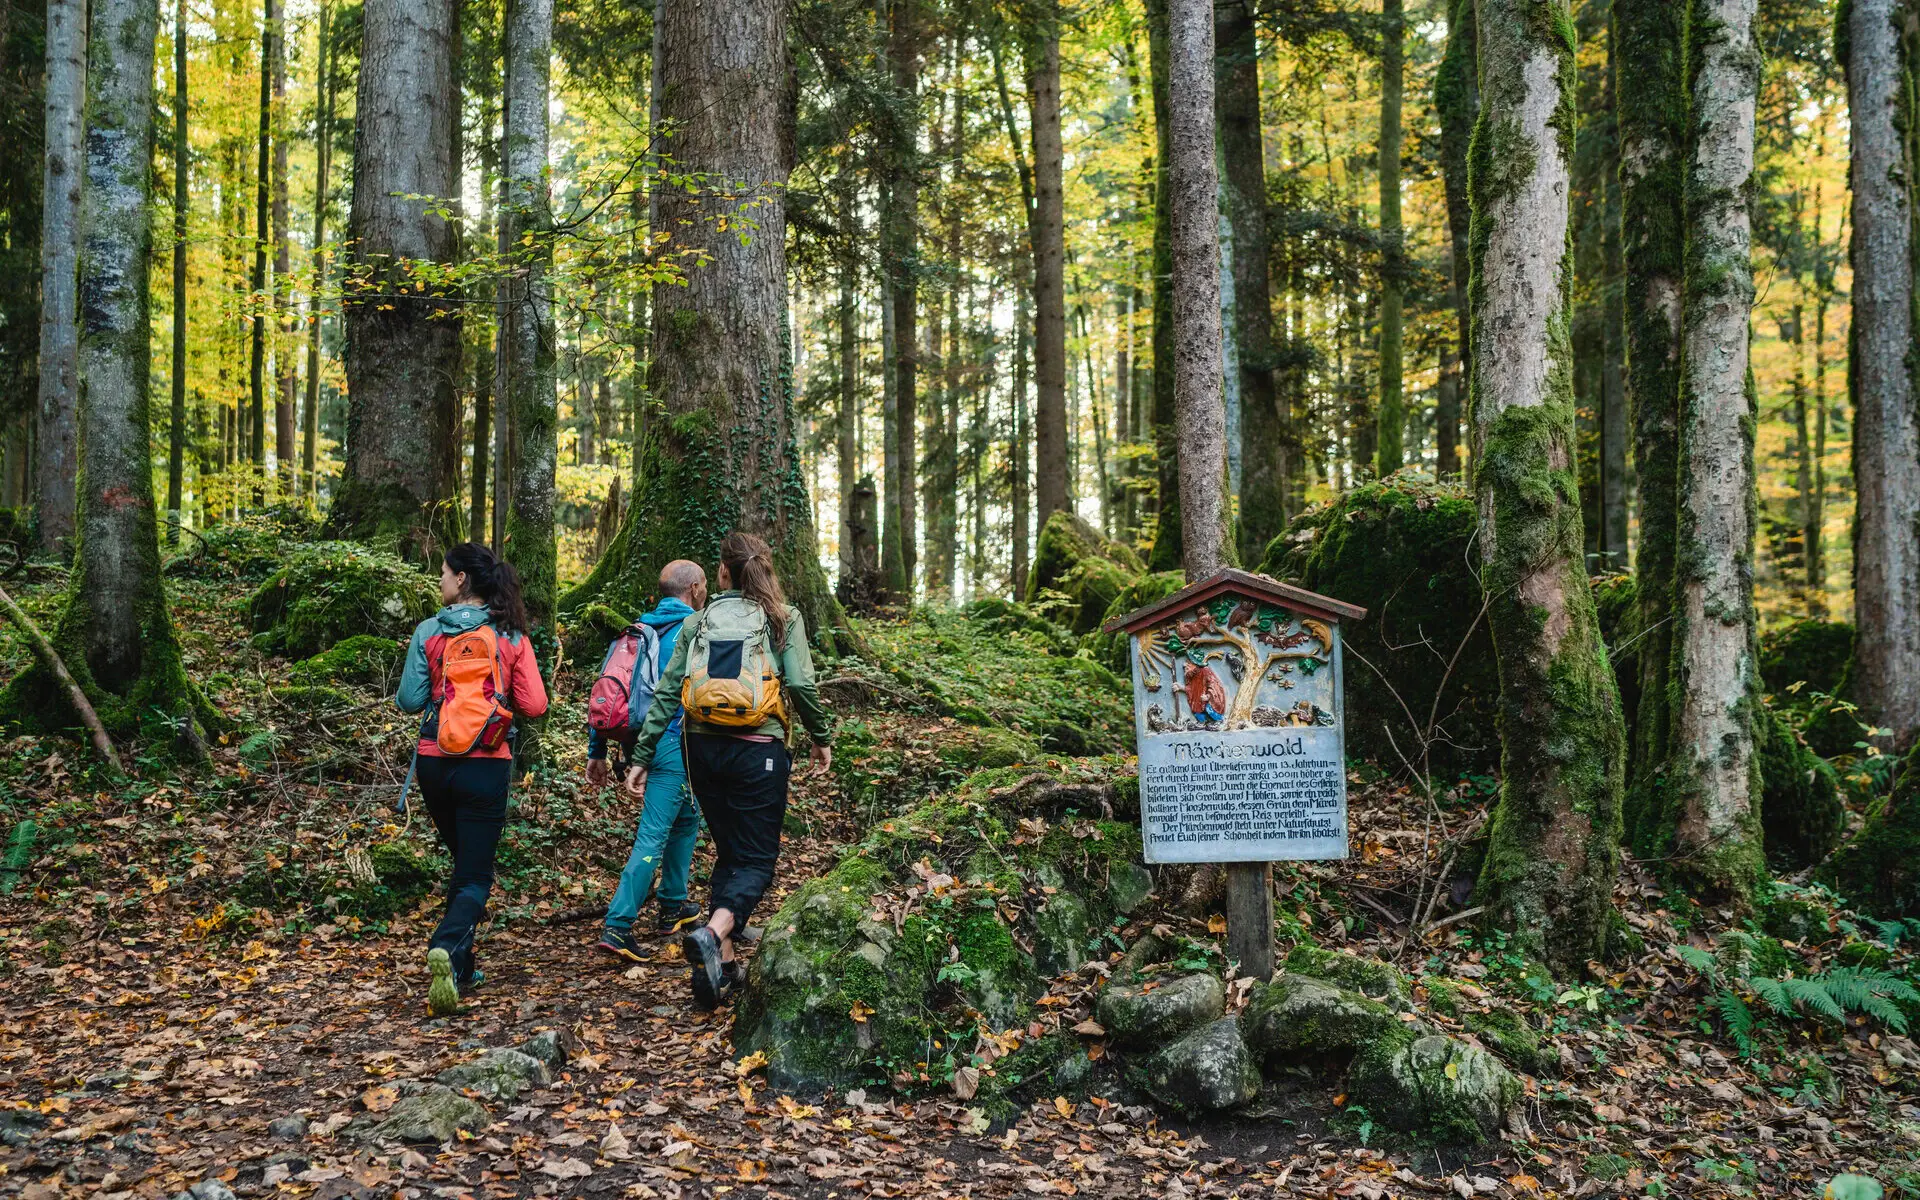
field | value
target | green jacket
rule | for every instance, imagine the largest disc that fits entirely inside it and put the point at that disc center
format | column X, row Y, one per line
column 796, row 672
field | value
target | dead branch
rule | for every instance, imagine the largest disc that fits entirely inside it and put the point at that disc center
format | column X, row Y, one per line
column 51, row 658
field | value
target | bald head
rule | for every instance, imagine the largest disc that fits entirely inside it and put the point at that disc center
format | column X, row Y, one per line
column 680, row 579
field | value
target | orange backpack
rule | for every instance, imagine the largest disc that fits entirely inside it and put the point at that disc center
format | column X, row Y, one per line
column 470, row 709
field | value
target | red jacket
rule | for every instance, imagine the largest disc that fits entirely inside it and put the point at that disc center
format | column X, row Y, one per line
column 526, row 692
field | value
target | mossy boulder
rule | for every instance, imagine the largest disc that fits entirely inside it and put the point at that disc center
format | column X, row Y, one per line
column 588, row 633
column 921, row 932
column 1375, row 980
column 362, row 659
column 1147, row 1012
column 249, row 548
column 1437, row 1090
column 1403, row 549
column 400, row 878
column 498, row 1075
column 1500, row 1029
column 1296, row 1016
column 1207, row 1070
column 426, row 1112
column 1111, row 650
column 330, row 591
column 1073, row 559
column 1878, row 870
column 1811, row 654
column 1801, row 811
column 1001, row 615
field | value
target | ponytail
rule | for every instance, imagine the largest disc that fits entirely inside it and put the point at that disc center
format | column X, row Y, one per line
column 492, row 579
column 749, row 563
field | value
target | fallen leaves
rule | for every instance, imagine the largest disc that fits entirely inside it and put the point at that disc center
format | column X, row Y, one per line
column 565, row 1168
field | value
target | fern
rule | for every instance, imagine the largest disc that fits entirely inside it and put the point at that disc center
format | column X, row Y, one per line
column 1738, row 1019
column 1830, row 996
column 1699, row 960
column 1812, row 994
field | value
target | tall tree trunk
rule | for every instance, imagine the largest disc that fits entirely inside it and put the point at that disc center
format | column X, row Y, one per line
column 1613, row 353
column 1263, row 426
column 1551, row 856
column 1817, row 498
column 323, row 162
column 1652, row 176
column 1166, row 555
column 283, row 410
column 66, row 88
column 1886, row 447
column 259, row 306
column 725, row 457
column 1802, row 441
column 1391, row 417
column 1021, row 499
column 403, row 345
column 1714, row 775
column 899, row 237
column 527, row 223
column 177, row 414
column 485, row 359
column 854, row 573
column 1456, row 96
column 115, row 633
column 1047, row 236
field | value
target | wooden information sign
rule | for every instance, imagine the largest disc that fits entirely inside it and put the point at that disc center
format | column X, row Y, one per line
column 1237, row 715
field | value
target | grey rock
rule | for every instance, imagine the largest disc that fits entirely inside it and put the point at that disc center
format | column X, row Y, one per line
column 1149, row 1012
column 549, row 1046
column 1129, row 884
column 290, row 1129
column 1296, row 1015
column 1207, row 1070
column 210, row 1189
column 432, row 1113
column 1061, row 931
column 1440, row 1090
column 498, row 1074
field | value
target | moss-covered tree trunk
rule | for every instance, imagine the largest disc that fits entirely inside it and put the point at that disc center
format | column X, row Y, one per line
column 1166, row 555
column 528, row 223
column 59, row 382
column 1456, row 96
column 1552, row 856
column 396, row 485
column 1391, row 416
column 1651, row 114
column 719, row 453
column 1886, row 443
column 902, row 31
column 1713, row 783
column 115, row 633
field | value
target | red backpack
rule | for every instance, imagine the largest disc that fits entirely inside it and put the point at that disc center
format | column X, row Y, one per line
column 621, row 696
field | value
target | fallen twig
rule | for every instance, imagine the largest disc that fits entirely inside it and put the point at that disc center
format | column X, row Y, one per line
column 51, row 657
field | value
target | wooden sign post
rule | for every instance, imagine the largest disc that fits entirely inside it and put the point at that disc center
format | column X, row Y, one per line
column 1237, row 715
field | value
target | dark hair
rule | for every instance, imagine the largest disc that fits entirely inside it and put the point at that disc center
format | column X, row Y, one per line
column 492, row 579
column 749, row 564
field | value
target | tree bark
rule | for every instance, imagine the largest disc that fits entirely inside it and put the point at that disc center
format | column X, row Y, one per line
column 1652, row 177
column 1886, row 446
column 66, row 90
column 1391, row 417
column 1166, row 554
column 403, row 345
column 724, row 457
column 1263, row 427
column 258, row 302
column 1551, row 856
column 527, row 225
column 177, row 414
column 283, row 354
column 1047, row 235
column 1613, row 386
column 323, row 162
column 1019, row 501
column 900, row 203
column 1456, row 96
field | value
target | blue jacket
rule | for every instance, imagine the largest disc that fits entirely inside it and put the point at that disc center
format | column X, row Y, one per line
column 665, row 620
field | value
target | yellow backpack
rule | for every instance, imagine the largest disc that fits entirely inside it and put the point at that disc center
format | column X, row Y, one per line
column 733, row 674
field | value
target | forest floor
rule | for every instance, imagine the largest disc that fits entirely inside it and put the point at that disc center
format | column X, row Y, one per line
column 180, row 968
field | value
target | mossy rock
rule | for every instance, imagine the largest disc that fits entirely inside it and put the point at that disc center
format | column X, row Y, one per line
column 311, row 700
column 1502, row 1030
column 330, row 591
column 1878, row 870
column 1435, row 1090
column 401, row 878
column 1006, row 616
column 1297, row 1017
column 1813, row 654
column 249, row 548
column 1207, row 1070
column 1801, row 811
column 1147, row 1012
column 1111, row 650
column 498, row 1075
column 1375, row 980
column 361, row 659
column 1401, row 548
column 1073, row 558
column 588, row 633
column 841, row 999
column 431, row 1112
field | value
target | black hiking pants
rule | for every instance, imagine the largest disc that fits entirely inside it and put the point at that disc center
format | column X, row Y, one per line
column 468, row 800
column 742, row 790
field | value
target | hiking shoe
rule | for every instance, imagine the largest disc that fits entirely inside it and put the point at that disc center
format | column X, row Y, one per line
column 471, row 983
column 621, row 944
column 443, row 998
column 703, row 961
column 674, row 915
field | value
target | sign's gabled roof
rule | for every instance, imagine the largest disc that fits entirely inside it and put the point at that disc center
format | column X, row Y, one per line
column 1232, row 579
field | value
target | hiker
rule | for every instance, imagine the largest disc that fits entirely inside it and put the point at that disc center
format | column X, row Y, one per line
column 728, row 668
column 669, row 819
column 471, row 667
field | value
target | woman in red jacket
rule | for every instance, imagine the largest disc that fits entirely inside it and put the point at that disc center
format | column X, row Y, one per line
column 467, row 792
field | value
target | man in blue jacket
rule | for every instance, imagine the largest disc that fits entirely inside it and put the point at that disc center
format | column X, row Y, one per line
column 669, row 818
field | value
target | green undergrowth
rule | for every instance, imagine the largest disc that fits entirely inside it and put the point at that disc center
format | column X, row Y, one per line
column 247, row 549
column 1077, row 573
column 327, row 592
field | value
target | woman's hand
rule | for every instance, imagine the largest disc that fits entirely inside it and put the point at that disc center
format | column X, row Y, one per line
column 636, row 782
column 822, row 757
column 598, row 772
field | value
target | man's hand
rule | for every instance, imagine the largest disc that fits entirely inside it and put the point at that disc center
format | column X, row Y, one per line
column 598, row 772
column 636, row 782
column 822, row 757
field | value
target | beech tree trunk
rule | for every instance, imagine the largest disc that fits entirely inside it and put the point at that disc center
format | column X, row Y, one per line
column 1263, row 427
column 527, row 224
column 59, row 397
column 1391, row 417
column 323, row 162
column 1886, row 445
column 403, row 346
column 1551, row 856
column 725, row 455
column 1166, row 554
column 283, row 354
column 1047, row 233
column 1456, row 96
column 1613, row 386
column 177, row 414
column 1652, row 177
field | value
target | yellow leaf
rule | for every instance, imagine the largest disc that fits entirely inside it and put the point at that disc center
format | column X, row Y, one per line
column 751, row 1063
column 1064, row 1107
column 860, row 1012
column 1216, row 924
column 1453, row 1070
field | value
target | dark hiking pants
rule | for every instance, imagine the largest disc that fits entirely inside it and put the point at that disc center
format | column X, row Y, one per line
column 742, row 790
column 468, row 800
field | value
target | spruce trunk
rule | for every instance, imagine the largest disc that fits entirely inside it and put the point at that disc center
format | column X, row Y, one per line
column 1391, row 418
column 1048, row 237
column 1456, row 96
column 527, row 224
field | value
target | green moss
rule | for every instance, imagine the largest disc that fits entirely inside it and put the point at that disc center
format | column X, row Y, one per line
column 1501, row 1030
column 313, row 699
column 360, row 659
column 1878, row 871
column 1802, row 814
column 1112, row 650
column 1376, row 980
column 1805, row 659
column 330, row 591
column 1074, row 560
column 1297, row 1016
